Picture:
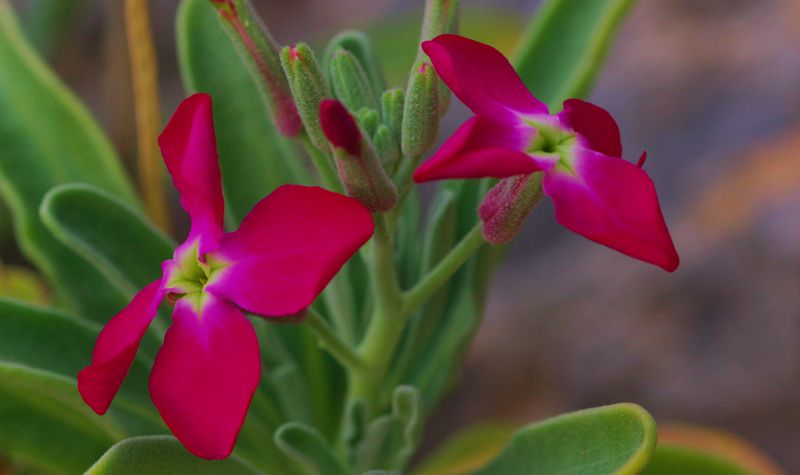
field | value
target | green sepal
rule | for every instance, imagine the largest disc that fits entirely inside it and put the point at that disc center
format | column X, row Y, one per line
column 364, row 178
column 309, row 450
column 260, row 52
column 386, row 147
column 391, row 439
column 359, row 45
column 349, row 81
column 369, row 119
column 308, row 89
column 420, row 112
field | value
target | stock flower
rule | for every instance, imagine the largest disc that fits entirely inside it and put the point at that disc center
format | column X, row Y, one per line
column 595, row 192
column 284, row 253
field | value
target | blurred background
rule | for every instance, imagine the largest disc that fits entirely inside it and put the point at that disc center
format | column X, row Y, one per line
column 711, row 88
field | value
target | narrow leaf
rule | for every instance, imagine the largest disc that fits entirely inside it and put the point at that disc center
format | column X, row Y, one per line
column 309, row 449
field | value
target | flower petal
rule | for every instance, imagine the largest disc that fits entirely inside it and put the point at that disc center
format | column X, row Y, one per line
column 288, row 248
column 205, row 375
column 116, row 348
column 189, row 147
column 594, row 124
column 481, row 147
column 481, row 77
column 614, row 203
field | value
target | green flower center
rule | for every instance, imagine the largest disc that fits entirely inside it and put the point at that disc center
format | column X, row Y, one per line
column 191, row 275
column 551, row 140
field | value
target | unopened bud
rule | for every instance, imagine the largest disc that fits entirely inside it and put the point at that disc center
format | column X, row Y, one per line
column 260, row 54
column 350, row 82
column 441, row 16
column 308, row 88
column 507, row 204
column 357, row 44
column 359, row 169
column 420, row 112
column 387, row 148
column 392, row 110
column 368, row 119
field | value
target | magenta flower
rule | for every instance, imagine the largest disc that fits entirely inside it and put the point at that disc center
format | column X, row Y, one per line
column 596, row 193
column 282, row 256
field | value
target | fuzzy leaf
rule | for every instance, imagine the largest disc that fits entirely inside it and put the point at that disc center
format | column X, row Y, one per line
column 162, row 454
column 616, row 439
column 48, row 138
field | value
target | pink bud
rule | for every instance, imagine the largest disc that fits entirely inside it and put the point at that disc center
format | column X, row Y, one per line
column 507, row 204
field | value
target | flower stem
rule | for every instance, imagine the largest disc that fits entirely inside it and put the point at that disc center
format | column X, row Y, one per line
column 387, row 322
column 444, row 270
column 148, row 120
column 324, row 166
column 332, row 343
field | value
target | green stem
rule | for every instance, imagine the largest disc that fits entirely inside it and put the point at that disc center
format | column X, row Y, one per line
column 332, row 343
column 444, row 270
column 324, row 165
column 387, row 322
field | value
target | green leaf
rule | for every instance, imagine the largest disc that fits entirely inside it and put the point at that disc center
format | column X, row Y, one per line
column 670, row 460
column 307, row 447
column 162, row 454
column 116, row 238
column 564, row 47
column 46, row 21
column 467, row 450
column 616, row 439
column 254, row 159
column 391, row 439
column 48, row 138
column 41, row 352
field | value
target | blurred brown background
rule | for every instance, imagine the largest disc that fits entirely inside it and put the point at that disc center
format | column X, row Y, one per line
column 711, row 88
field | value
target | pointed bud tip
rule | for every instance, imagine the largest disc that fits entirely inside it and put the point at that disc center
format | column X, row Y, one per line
column 339, row 126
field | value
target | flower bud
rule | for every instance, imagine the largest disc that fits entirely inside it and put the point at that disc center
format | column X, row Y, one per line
column 260, row 54
column 368, row 119
column 357, row 44
column 308, row 88
column 387, row 148
column 350, row 82
column 441, row 16
column 420, row 113
column 359, row 169
column 392, row 110
column 507, row 204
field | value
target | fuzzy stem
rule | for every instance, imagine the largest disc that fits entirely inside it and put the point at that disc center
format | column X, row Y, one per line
column 332, row 343
column 324, row 165
column 444, row 270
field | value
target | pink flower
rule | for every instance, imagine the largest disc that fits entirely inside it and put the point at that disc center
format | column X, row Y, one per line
column 596, row 193
column 282, row 256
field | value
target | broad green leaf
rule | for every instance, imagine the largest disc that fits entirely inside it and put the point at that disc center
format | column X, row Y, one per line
column 116, row 238
column 564, row 47
column 254, row 158
column 46, row 435
column 306, row 446
column 670, row 460
column 467, row 450
column 42, row 414
column 48, row 138
column 42, row 344
column 616, row 439
column 162, row 455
